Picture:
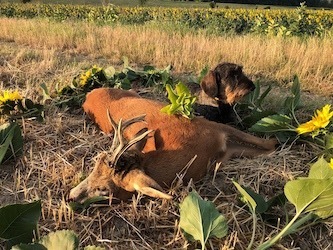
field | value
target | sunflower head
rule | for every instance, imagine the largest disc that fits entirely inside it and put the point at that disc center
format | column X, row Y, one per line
column 9, row 96
column 319, row 121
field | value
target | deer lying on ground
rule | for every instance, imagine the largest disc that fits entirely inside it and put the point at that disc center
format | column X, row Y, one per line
column 155, row 161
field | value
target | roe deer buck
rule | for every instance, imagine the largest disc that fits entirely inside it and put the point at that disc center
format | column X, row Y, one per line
column 174, row 142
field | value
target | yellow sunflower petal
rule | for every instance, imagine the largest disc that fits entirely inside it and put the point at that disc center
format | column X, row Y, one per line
column 331, row 163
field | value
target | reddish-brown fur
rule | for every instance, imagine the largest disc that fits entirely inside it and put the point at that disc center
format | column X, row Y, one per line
column 176, row 140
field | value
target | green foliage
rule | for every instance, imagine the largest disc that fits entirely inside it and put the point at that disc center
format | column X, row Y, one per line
column 288, row 22
column 256, row 204
column 64, row 239
column 76, row 206
column 280, row 122
column 254, row 201
column 312, row 197
column 314, row 193
column 14, row 106
column 181, row 101
column 60, row 239
column 96, row 77
column 200, row 220
column 19, row 222
column 11, row 141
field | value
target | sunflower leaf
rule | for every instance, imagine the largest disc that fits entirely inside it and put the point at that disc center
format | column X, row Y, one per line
column 200, row 220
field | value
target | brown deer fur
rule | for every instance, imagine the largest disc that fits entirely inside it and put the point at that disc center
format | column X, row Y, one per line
column 175, row 141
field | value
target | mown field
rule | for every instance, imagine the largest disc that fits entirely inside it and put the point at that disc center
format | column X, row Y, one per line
column 61, row 150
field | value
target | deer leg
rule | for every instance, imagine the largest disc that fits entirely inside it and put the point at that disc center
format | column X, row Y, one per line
column 239, row 150
column 242, row 137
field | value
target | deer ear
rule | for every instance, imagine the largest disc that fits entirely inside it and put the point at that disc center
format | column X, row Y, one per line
column 146, row 185
column 209, row 85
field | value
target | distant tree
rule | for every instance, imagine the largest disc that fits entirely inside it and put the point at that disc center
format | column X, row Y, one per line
column 26, row 1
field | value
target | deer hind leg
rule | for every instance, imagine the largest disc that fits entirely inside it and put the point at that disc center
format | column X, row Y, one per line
column 242, row 137
column 239, row 150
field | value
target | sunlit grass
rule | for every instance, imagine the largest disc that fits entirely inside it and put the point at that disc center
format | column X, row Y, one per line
column 272, row 59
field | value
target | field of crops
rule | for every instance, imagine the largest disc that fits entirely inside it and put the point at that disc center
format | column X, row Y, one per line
column 51, row 56
column 218, row 21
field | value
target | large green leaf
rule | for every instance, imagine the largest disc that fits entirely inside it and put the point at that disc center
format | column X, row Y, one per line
column 329, row 141
column 11, row 141
column 18, row 221
column 64, row 239
column 320, row 170
column 32, row 246
column 61, row 239
column 273, row 124
column 200, row 219
column 255, row 201
column 311, row 195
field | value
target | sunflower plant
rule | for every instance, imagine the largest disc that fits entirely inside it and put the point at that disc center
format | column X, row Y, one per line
column 321, row 123
column 181, row 101
column 13, row 106
column 319, row 129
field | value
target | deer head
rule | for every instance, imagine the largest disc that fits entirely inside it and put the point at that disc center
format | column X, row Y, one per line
column 119, row 173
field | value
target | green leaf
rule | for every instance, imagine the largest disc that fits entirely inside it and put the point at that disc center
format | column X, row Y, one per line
column 273, row 124
column 18, row 221
column 11, row 141
column 94, row 248
column 292, row 102
column 33, row 246
column 263, row 95
column 201, row 220
column 172, row 96
column 76, row 206
column 329, row 141
column 254, row 201
column 181, row 101
column 320, row 170
column 311, row 195
column 110, row 72
column 64, row 239
column 277, row 200
column 46, row 93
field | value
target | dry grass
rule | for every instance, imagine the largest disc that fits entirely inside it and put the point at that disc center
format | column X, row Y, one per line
column 274, row 59
column 61, row 150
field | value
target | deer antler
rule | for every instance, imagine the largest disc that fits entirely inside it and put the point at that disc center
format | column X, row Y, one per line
column 119, row 143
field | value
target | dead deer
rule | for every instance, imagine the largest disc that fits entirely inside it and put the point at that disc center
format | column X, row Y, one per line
column 174, row 141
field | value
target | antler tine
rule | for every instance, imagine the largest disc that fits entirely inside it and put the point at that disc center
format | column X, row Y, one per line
column 131, row 143
column 119, row 144
column 118, row 129
column 140, row 118
column 115, row 129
